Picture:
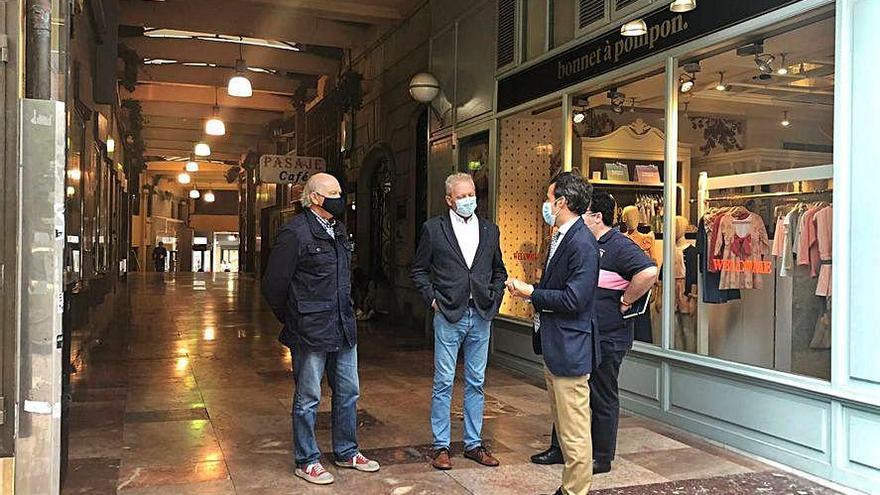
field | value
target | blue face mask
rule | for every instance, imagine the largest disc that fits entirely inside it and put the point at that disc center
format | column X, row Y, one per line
column 465, row 207
column 547, row 212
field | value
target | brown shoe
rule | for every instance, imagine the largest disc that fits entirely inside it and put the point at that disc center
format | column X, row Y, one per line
column 441, row 460
column 481, row 454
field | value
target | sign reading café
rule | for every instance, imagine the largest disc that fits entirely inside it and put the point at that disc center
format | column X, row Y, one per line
column 289, row 169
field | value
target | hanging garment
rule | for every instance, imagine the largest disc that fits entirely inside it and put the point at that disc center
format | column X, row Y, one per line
column 823, row 221
column 822, row 334
column 808, row 250
column 744, row 249
column 710, row 280
column 786, row 262
column 779, row 237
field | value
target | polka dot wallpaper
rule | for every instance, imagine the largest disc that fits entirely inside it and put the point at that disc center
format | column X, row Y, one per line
column 529, row 151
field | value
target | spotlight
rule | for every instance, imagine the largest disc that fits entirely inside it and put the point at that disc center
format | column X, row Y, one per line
column 783, row 69
column 578, row 117
column 721, row 86
column 683, row 5
column 618, row 99
column 634, row 28
column 686, row 83
column 785, row 122
column 764, row 62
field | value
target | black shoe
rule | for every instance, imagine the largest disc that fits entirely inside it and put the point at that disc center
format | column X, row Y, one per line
column 600, row 467
column 553, row 455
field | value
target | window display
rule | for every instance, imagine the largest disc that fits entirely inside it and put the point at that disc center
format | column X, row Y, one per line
column 763, row 204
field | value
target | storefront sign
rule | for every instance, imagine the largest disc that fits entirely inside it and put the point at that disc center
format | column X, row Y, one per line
column 666, row 29
column 287, row 169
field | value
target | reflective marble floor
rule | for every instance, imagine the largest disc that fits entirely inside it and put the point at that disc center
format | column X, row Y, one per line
column 190, row 393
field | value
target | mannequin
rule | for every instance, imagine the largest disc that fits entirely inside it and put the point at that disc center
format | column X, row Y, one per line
column 685, row 296
column 631, row 218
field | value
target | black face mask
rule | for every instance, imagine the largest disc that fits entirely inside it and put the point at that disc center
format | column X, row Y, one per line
column 334, row 206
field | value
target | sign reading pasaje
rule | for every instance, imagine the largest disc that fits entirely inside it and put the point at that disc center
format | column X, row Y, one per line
column 289, row 169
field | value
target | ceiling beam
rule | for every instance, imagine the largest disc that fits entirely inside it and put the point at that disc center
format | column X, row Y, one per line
column 214, row 77
column 183, row 124
column 201, row 111
column 205, row 95
column 339, row 10
column 173, row 152
column 187, row 146
column 237, row 18
column 193, row 50
column 188, row 137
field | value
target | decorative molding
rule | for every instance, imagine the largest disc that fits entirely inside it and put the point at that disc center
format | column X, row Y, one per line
column 719, row 132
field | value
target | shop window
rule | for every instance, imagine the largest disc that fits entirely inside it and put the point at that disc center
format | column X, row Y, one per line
column 473, row 159
column 530, row 153
column 753, row 258
column 618, row 144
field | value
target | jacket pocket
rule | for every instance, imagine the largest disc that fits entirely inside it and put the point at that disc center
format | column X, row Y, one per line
column 309, row 307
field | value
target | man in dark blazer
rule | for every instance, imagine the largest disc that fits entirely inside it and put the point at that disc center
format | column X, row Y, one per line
column 308, row 286
column 564, row 304
column 459, row 271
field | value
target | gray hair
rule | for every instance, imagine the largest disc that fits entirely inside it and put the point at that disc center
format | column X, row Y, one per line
column 454, row 179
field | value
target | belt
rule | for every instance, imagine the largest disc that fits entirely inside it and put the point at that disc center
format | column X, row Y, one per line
column 824, row 262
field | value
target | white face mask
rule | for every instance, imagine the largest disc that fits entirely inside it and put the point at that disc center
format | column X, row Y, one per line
column 547, row 213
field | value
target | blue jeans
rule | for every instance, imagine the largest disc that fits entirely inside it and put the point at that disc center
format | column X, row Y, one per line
column 472, row 332
column 308, row 370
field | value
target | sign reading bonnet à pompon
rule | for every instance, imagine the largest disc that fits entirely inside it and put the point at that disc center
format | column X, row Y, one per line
column 289, row 169
column 612, row 50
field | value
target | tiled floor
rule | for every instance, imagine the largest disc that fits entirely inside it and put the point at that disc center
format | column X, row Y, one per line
column 193, row 397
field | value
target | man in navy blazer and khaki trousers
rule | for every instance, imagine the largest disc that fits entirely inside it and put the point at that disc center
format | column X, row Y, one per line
column 565, row 319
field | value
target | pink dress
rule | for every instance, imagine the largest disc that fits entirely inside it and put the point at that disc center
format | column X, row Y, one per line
column 808, row 249
column 823, row 222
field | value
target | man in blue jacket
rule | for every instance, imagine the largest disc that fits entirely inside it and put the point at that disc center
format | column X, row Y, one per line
column 308, row 286
column 564, row 306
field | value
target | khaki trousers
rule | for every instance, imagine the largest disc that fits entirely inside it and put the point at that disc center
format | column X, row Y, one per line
column 570, row 409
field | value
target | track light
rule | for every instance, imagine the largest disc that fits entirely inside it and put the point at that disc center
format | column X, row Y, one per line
column 202, row 149
column 783, row 69
column 195, row 194
column 785, row 122
column 764, row 62
column 578, row 117
column 683, row 5
column 686, row 83
column 721, row 86
column 184, row 178
column 635, row 27
column 618, row 100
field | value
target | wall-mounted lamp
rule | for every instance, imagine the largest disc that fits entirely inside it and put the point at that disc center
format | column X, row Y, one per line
column 111, row 145
column 424, row 88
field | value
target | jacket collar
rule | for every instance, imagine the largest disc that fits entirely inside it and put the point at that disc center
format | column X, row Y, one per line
column 318, row 230
column 566, row 240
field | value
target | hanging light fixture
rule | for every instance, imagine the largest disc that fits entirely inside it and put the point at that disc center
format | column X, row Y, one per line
column 184, row 178
column 214, row 126
column 202, row 149
column 783, row 68
column 785, row 122
column 635, row 27
column 721, row 86
column 194, row 193
column 209, row 197
column 239, row 85
column 192, row 166
column 683, row 5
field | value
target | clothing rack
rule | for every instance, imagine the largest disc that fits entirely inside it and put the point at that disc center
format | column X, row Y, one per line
column 781, row 194
column 705, row 184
